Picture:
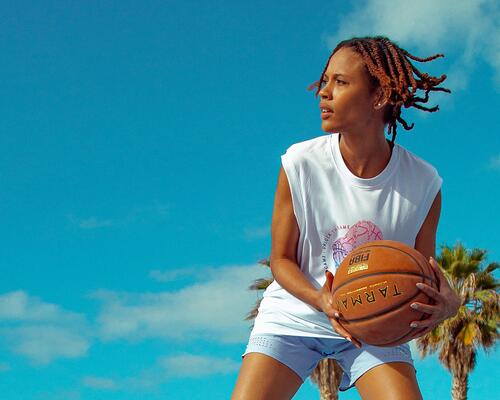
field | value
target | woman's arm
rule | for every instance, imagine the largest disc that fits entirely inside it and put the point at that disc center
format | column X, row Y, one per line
column 425, row 241
column 284, row 266
column 447, row 301
column 285, row 236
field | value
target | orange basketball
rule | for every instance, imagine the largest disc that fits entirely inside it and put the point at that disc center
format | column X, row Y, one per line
column 374, row 287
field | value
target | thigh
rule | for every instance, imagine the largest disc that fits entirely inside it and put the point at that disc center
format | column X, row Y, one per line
column 262, row 377
column 389, row 381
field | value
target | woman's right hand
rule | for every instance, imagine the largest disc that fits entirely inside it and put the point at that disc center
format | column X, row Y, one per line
column 325, row 304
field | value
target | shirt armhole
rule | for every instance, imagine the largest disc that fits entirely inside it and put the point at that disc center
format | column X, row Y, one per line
column 294, row 184
column 434, row 188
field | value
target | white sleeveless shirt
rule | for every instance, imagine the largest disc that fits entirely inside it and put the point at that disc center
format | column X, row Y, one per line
column 337, row 211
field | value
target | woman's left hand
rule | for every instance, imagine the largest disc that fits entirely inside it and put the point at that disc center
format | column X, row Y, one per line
column 446, row 302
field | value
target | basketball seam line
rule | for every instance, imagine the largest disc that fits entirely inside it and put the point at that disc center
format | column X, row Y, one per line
column 385, row 311
column 383, row 273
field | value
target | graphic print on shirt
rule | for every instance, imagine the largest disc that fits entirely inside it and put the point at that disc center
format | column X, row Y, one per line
column 342, row 239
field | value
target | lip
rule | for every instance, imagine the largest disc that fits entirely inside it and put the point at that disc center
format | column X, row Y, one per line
column 324, row 105
column 326, row 115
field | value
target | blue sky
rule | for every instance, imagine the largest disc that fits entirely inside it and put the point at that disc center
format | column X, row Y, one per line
column 141, row 145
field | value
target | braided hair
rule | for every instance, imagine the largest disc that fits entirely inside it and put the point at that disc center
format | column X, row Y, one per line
column 390, row 68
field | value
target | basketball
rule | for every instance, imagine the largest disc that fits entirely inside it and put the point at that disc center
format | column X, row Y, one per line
column 374, row 287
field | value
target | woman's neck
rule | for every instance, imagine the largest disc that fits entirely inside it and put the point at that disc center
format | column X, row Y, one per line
column 365, row 156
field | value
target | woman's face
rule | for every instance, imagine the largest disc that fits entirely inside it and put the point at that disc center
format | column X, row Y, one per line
column 348, row 94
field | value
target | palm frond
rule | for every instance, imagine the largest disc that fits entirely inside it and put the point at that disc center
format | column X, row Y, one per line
column 254, row 311
column 260, row 283
column 476, row 323
column 265, row 261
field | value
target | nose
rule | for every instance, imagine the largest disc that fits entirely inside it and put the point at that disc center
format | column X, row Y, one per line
column 325, row 92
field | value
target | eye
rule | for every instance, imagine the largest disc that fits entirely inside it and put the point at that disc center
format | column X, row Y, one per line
column 340, row 82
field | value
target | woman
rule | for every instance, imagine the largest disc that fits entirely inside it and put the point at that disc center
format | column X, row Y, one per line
column 334, row 193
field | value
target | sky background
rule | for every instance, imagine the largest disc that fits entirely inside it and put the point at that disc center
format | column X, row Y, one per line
column 140, row 148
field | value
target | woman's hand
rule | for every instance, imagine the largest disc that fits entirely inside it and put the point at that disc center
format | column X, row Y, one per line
column 325, row 304
column 447, row 302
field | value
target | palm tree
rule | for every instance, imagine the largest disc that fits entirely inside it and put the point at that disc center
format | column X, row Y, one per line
column 327, row 374
column 476, row 323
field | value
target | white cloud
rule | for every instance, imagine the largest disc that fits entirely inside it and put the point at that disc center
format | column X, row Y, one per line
column 173, row 274
column 190, row 365
column 212, row 308
column 136, row 215
column 43, row 344
column 41, row 331
column 19, row 306
column 182, row 365
column 95, row 382
column 467, row 29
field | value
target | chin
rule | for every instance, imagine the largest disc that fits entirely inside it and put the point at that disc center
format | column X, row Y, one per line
column 328, row 128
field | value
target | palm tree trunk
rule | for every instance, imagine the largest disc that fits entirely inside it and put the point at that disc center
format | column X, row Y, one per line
column 327, row 376
column 459, row 387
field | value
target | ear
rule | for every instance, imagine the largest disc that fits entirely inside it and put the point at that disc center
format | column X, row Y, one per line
column 380, row 99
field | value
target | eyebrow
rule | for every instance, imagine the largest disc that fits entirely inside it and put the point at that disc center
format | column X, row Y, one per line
column 335, row 75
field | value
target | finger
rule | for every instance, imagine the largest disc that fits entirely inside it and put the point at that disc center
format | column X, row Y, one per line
column 425, row 323
column 343, row 332
column 430, row 291
column 355, row 341
column 434, row 263
column 426, row 308
column 421, row 332
column 330, row 311
column 438, row 270
column 329, row 279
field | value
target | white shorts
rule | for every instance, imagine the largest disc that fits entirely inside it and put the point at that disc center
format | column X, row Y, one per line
column 302, row 354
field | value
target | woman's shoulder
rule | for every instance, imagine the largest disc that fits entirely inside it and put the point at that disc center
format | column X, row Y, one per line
column 412, row 162
column 310, row 145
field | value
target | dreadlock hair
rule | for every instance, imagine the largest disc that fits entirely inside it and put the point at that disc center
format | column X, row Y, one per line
column 390, row 68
